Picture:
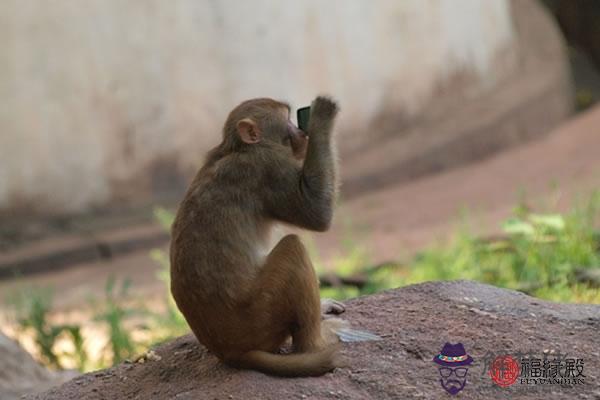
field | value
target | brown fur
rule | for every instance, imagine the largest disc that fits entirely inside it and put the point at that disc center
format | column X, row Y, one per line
column 241, row 303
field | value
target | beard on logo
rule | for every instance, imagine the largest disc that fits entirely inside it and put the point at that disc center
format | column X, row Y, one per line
column 453, row 386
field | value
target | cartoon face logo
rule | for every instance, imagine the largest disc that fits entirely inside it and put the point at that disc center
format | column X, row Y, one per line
column 453, row 361
column 453, row 379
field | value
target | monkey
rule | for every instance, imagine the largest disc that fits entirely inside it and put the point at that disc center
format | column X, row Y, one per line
column 242, row 301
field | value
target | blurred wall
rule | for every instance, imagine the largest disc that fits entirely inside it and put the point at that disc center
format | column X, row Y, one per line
column 108, row 100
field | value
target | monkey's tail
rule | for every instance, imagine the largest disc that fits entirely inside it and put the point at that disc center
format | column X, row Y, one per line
column 295, row 364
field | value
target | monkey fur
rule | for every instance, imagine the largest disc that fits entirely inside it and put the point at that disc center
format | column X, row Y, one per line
column 242, row 299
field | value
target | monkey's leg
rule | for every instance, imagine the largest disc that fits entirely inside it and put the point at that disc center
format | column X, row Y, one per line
column 285, row 301
column 288, row 281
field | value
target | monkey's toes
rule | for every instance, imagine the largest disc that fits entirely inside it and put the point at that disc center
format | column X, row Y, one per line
column 331, row 307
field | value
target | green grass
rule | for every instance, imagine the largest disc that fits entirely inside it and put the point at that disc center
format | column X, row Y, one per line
column 33, row 310
column 540, row 254
column 114, row 314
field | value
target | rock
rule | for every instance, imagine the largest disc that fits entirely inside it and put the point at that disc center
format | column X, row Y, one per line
column 415, row 322
column 21, row 374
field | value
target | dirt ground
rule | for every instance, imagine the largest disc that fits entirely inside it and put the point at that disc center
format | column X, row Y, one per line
column 415, row 322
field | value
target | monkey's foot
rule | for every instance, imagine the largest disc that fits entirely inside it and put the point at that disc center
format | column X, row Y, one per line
column 331, row 307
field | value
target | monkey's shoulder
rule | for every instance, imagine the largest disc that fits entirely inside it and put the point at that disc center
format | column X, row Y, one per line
column 237, row 168
column 247, row 170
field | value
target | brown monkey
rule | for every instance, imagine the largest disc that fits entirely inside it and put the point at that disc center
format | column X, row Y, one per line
column 242, row 301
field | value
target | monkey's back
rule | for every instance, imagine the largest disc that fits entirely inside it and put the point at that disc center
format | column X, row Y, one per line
column 215, row 236
column 217, row 232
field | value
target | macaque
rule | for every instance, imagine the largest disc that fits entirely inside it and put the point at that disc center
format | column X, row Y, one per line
column 242, row 299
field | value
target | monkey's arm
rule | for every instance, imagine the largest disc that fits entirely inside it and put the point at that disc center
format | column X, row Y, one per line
column 306, row 197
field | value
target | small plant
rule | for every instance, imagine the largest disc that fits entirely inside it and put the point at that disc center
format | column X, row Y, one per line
column 171, row 324
column 33, row 308
column 164, row 218
column 120, row 343
column 351, row 261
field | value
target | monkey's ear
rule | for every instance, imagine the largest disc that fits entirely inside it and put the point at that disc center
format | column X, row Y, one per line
column 248, row 131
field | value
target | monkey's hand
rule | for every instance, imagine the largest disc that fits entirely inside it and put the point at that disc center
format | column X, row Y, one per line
column 324, row 107
column 322, row 113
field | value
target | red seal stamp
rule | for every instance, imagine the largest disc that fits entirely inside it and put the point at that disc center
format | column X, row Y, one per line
column 504, row 370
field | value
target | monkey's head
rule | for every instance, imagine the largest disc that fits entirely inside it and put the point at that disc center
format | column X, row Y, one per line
column 264, row 122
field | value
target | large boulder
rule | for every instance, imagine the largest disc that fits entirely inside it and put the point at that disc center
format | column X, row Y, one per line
column 120, row 103
column 415, row 323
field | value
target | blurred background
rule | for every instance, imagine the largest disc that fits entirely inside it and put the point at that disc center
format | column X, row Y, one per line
column 469, row 147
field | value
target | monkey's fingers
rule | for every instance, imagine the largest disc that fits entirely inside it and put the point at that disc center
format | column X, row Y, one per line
column 324, row 107
column 354, row 335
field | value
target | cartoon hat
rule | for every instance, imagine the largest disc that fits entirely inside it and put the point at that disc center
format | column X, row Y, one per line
column 453, row 355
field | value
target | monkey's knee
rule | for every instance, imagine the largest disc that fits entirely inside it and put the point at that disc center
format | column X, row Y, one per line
column 291, row 252
column 291, row 243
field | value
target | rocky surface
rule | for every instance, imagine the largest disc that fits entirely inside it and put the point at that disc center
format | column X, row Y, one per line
column 414, row 322
column 21, row 374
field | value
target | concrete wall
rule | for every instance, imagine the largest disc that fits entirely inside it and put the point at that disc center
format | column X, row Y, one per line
column 109, row 100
